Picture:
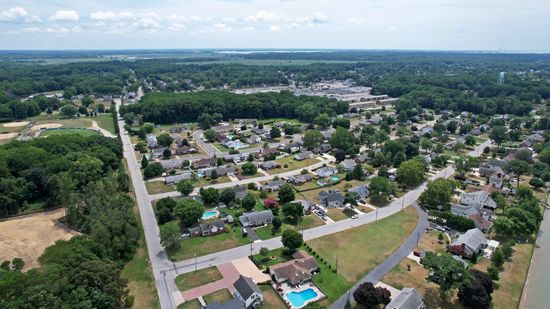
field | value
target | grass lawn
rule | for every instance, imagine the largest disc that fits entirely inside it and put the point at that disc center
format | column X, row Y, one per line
column 158, row 186
column 336, row 214
column 207, row 181
column 308, row 221
column 272, row 300
column 221, row 147
column 311, row 195
column 139, row 274
column 207, row 245
column 277, row 120
column 197, row 278
column 364, row 209
column 220, row 296
column 291, row 164
column 105, row 121
column 190, row 304
column 360, row 249
column 82, row 132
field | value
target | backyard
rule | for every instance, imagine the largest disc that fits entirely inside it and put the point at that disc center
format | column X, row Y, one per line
column 197, row 278
column 308, row 221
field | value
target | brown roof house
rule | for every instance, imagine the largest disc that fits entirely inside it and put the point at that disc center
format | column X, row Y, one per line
column 297, row 271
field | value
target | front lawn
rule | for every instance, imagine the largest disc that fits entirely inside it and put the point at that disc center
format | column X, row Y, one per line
column 206, row 245
column 360, row 249
column 291, row 164
column 190, row 304
column 308, row 221
column 336, row 214
column 197, row 278
column 158, row 186
column 220, row 296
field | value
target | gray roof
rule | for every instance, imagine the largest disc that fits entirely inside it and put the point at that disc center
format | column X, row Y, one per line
column 362, row 190
column 473, row 239
column 408, row 298
column 232, row 304
column 274, row 183
column 172, row 163
column 478, row 198
column 177, row 178
column 464, row 210
column 246, row 287
column 256, row 216
column 331, row 196
column 326, row 171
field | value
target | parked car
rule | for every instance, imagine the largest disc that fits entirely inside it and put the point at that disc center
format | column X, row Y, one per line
column 354, row 216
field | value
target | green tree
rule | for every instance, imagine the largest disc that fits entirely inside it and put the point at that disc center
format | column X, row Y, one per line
column 227, row 196
column 153, row 170
column 165, row 140
column 249, row 168
column 275, row 132
column 410, row 173
column 169, row 234
column 85, row 170
column 68, row 110
column 498, row 134
column 165, row 210
column 426, row 144
column 518, row 168
column 210, row 135
column 358, row 173
column 341, row 122
column 286, row 194
column 292, row 239
column 445, row 271
column 185, row 187
column 248, row 202
column 312, row 139
column 323, row 120
column 342, row 139
column 210, row 196
column 293, row 211
column 380, row 188
column 144, row 162
column 370, row 296
column 438, row 194
column 205, row 121
column 188, row 211
column 148, row 128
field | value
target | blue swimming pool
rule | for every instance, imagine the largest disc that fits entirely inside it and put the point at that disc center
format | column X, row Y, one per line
column 209, row 214
column 335, row 178
column 298, row 299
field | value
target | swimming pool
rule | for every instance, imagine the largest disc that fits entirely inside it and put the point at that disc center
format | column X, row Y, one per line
column 209, row 214
column 299, row 299
column 335, row 178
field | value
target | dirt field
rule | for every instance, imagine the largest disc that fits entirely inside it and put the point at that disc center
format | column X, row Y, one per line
column 27, row 237
column 46, row 126
column 8, row 135
column 16, row 124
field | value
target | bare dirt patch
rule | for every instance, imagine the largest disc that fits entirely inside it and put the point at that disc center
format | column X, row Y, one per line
column 8, row 135
column 16, row 124
column 26, row 237
column 46, row 126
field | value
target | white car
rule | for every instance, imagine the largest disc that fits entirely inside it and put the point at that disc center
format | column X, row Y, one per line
column 354, row 216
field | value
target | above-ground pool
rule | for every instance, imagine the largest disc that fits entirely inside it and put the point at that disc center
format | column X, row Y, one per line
column 335, row 178
column 209, row 214
column 299, row 299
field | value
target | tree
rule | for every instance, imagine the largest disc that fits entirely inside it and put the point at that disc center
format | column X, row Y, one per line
column 426, row 144
column 293, row 211
column 447, row 272
column 369, row 296
column 166, row 153
column 342, row 139
column 210, row 196
column 85, row 170
column 292, row 239
column 341, row 122
column 270, row 203
column 438, row 194
column 165, row 140
column 312, row 139
column 205, row 121
column 249, row 168
column 470, row 140
column 210, row 135
column 276, row 222
column 476, row 293
column 227, row 196
column 466, row 164
column 188, row 211
column 286, row 194
column 358, row 173
column 275, row 132
column 498, row 134
column 323, row 120
column 314, row 306
column 144, row 162
column 169, row 234
column 148, row 127
column 68, row 110
column 536, row 182
column 544, row 155
column 452, row 126
column 165, row 210
column 153, row 170
column 518, row 168
column 410, row 173
column 185, row 187
column 248, row 202
column 380, row 188
column 340, row 155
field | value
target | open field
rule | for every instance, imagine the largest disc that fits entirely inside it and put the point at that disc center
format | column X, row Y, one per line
column 26, row 237
column 308, row 221
column 15, row 124
column 139, row 274
column 291, row 165
column 512, row 278
column 82, row 132
column 220, row 296
column 206, row 245
column 197, row 278
column 105, row 121
column 360, row 249
column 158, row 186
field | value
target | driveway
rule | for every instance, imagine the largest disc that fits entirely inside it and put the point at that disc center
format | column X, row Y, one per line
column 230, row 275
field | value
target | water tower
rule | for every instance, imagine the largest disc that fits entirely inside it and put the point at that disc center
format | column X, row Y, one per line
column 500, row 79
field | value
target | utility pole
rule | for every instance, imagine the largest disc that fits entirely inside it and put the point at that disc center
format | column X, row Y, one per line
column 251, row 248
column 403, row 203
column 376, row 218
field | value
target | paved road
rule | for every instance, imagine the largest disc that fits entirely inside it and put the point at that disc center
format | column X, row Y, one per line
column 157, row 256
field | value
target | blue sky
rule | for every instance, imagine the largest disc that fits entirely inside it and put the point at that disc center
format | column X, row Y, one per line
column 508, row 25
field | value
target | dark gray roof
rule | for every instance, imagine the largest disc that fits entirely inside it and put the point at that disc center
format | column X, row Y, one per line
column 408, row 298
column 246, row 287
column 256, row 216
column 362, row 190
column 232, row 304
column 473, row 238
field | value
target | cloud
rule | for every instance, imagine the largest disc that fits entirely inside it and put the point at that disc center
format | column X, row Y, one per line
column 65, row 15
column 262, row 16
column 222, row 27
column 17, row 15
column 146, row 24
column 275, row 28
column 112, row 16
column 52, row 30
column 357, row 20
column 185, row 19
column 315, row 19
column 177, row 27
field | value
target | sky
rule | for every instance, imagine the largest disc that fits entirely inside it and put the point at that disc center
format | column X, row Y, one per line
column 495, row 25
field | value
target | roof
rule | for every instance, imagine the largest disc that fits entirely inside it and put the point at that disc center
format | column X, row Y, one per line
column 474, row 198
column 473, row 239
column 331, row 196
column 256, row 216
column 232, row 304
column 274, row 183
column 463, row 210
column 297, row 270
column 408, row 298
column 177, row 178
column 362, row 190
column 209, row 225
column 246, row 287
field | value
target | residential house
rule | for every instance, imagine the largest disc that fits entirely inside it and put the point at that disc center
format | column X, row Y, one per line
column 295, row 272
column 157, row 152
column 264, row 152
column 362, row 158
column 223, row 128
column 321, row 149
column 492, row 167
column 248, row 292
column 253, row 139
column 207, row 229
column 175, row 179
column 348, row 165
column 408, row 298
column 469, row 243
column 326, row 171
column 362, row 191
column 306, row 205
column 302, row 155
column 480, row 199
column 240, row 192
column 496, row 181
column 151, row 141
column 205, row 162
column 220, row 170
column 299, row 179
column 331, row 198
column 269, row 165
column 482, row 218
column 254, row 218
column 428, row 130
column 236, row 158
column 450, row 145
column 171, row 164
column 374, row 120
column 272, row 186
column 183, row 150
column 177, row 139
column 222, row 138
